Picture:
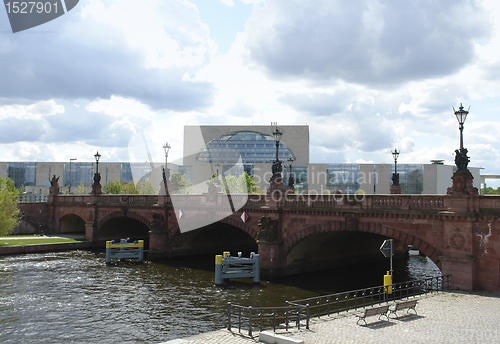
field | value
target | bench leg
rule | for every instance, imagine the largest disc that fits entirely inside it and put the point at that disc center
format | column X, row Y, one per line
column 357, row 323
column 409, row 309
column 385, row 315
column 393, row 312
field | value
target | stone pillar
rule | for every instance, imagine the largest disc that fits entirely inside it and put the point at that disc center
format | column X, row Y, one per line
column 462, row 269
column 159, row 238
column 395, row 189
column 96, row 190
column 457, row 259
column 462, row 184
column 91, row 232
column 270, row 258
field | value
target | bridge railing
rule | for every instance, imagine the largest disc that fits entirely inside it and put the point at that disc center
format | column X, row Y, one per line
column 29, row 198
column 299, row 312
column 337, row 201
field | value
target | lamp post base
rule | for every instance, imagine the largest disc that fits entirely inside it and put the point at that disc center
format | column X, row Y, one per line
column 96, row 190
column 395, row 189
column 462, row 184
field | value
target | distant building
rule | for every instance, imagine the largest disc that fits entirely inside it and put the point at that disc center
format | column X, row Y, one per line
column 234, row 149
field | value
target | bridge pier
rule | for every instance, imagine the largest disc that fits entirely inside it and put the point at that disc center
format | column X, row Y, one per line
column 91, row 233
column 462, row 270
column 270, row 258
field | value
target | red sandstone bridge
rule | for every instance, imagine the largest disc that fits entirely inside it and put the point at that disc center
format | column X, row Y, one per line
column 461, row 234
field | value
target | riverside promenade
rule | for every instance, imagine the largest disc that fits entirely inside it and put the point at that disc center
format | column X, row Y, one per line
column 446, row 317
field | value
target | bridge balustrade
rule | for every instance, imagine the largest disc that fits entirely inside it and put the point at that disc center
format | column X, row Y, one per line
column 393, row 202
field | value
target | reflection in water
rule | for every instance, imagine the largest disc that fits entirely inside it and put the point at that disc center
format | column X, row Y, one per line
column 74, row 297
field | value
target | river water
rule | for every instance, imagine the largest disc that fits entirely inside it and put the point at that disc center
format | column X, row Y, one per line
column 74, row 297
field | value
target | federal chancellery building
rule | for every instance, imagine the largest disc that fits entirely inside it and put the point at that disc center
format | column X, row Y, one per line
column 234, row 149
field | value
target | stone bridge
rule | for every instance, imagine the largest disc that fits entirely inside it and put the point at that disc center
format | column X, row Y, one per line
column 461, row 234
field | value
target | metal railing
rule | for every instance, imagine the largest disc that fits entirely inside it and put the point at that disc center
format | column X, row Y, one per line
column 299, row 312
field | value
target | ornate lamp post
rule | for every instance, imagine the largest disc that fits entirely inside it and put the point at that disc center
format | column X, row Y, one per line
column 277, row 168
column 96, row 186
column 291, row 181
column 462, row 178
column 166, row 170
column 70, row 180
column 395, row 188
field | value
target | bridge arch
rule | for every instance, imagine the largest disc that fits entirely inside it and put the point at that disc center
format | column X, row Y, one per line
column 232, row 220
column 213, row 236
column 71, row 223
column 118, row 214
column 120, row 225
column 368, row 227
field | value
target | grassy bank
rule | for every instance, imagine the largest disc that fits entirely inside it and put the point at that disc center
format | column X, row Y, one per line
column 40, row 240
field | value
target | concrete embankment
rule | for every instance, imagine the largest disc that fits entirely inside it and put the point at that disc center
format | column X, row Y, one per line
column 19, row 249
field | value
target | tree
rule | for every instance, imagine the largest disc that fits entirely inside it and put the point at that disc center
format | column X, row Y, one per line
column 242, row 184
column 81, row 189
column 146, row 188
column 491, row 191
column 114, row 187
column 180, row 183
column 9, row 211
column 129, row 188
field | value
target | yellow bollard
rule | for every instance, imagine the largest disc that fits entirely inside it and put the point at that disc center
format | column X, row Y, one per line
column 226, row 253
column 388, row 282
column 218, row 259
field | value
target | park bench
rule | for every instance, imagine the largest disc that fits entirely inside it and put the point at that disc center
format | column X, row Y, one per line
column 403, row 305
column 380, row 311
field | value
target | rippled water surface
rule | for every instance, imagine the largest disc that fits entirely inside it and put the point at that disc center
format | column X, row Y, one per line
column 74, row 297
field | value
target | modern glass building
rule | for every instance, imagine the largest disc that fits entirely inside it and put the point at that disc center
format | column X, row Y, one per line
column 252, row 147
column 411, row 178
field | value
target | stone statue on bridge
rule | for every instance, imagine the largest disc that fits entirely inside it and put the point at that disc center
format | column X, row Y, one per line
column 461, row 159
column 54, row 182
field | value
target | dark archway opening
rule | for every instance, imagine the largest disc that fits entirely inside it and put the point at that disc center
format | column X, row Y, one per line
column 123, row 228
column 71, row 223
column 214, row 239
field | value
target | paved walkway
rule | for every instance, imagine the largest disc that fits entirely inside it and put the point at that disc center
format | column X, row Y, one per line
column 451, row 317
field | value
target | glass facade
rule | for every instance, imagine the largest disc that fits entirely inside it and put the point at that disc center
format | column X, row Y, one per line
column 22, row 173
column 81, row 172
column 343, row 177
column 411, row 178
column 135, row 171
column 253, row 148
column 299, row 176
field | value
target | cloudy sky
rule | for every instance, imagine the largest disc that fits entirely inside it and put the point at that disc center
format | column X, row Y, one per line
column 366, row 76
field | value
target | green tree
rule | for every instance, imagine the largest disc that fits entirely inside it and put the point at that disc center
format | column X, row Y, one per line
column 129, row 188
column 180, row 183
column 491, row 191
column 114, row 187
column 81, row 189
column 146, row 188
column 9, row 211
column 243, row 184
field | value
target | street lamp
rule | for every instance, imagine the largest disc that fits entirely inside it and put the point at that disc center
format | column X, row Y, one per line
column 166, row 147
column 97, row 176
column 461, row 158
column 276, row 169
column 461, row 115
column 290, row 177
column 395, row 176
column 166, row 171
column 70, row 180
